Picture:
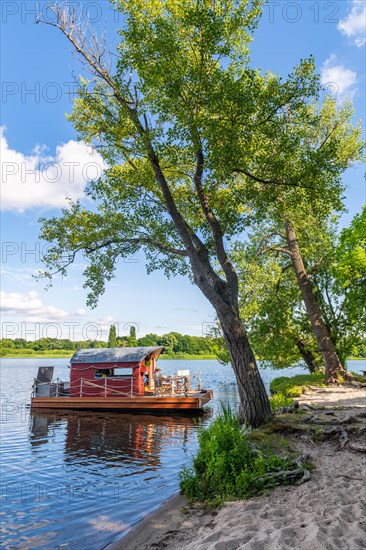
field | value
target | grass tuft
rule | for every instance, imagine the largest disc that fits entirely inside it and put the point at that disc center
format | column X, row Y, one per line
column 228, row 466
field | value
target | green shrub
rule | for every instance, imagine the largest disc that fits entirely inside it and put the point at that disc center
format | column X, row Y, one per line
column 279, row 400
column 295, row 391
column 293, row 386
column 227, row 466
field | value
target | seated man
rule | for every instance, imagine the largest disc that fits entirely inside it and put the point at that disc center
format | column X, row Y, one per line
column 157, row 377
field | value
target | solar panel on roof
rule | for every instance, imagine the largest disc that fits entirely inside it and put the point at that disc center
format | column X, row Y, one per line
column 115, row 355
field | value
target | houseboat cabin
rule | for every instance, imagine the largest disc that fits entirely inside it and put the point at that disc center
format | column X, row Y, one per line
column 113, row 372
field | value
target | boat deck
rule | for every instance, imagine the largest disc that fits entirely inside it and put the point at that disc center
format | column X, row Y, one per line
column 194, row 401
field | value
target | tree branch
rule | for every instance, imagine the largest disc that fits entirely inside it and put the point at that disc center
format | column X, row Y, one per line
column 269, row 182
column 138, row 240
column 277, row 249
column 98, row 246
column 224, row 261
column 66, row 24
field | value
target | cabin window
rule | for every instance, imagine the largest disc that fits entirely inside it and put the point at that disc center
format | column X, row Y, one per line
column 123, row 372
column 103, row 373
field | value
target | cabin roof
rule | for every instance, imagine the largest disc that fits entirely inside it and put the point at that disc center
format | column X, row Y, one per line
column 115, row 355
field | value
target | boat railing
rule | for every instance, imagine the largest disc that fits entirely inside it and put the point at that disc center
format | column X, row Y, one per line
column 108, row 390
column 173, row 385
column 56, row 388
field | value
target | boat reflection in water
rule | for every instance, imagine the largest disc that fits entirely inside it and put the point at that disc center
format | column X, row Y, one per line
column 130, row 463
column 112, row 436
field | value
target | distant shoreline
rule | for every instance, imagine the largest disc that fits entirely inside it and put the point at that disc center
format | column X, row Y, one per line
column 66, row 355
column 62, row 354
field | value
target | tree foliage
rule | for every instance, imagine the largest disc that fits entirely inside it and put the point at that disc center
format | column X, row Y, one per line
column 271, row 303
column 272, row 307
column 349, row 270
column 226, row 137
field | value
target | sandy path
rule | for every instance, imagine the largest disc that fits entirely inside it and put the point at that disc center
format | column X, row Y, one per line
column 341, row 396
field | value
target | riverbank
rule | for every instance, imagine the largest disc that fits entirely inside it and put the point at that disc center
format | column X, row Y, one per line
column 60, row 354
column 327, row 511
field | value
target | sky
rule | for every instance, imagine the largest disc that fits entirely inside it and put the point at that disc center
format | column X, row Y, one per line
column 42, row 163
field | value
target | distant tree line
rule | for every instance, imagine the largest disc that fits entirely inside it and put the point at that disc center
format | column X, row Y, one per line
column 174, row 343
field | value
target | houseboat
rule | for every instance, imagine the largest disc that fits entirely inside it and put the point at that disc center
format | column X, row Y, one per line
column 118, row 379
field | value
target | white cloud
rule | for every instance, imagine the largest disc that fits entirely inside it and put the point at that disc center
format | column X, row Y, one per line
column 354, row 25
column 23, row 276
column 25, row 315
column 337, row 79
column 30, row 308
column 44, row 181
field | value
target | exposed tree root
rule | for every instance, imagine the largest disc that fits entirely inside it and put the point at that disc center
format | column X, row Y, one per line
column 357, row 447
column 301, row 473
column 345, row 441
column 336, row 429
column 347, row 375
column 290, row 409
column 333, row 379
column 348, row 419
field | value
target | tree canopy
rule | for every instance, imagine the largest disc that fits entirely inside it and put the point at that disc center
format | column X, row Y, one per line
column 196, row 141
column 271, row 302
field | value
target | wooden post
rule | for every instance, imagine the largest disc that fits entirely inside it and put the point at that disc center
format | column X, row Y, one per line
column 81, row 387
column 151, row 372
column 105, row 387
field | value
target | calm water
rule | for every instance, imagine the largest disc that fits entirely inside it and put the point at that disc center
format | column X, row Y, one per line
column 82, row 480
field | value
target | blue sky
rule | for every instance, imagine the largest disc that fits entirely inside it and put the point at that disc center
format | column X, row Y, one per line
column 38, row 72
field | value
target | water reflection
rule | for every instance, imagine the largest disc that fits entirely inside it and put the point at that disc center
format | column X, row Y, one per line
column 92, row 475
column 111, row 437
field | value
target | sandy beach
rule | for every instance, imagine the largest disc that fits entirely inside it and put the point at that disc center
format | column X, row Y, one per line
column 325, row 513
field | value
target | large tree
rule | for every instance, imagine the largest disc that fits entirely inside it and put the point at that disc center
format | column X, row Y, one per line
column 312, row 149
column 271, row 307
column 179, row 117
column 271, row 303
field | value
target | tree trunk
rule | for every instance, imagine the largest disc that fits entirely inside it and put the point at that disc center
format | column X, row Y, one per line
column 254, row 403
column 308, row 355
column 333, row 366
column 223, row 296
